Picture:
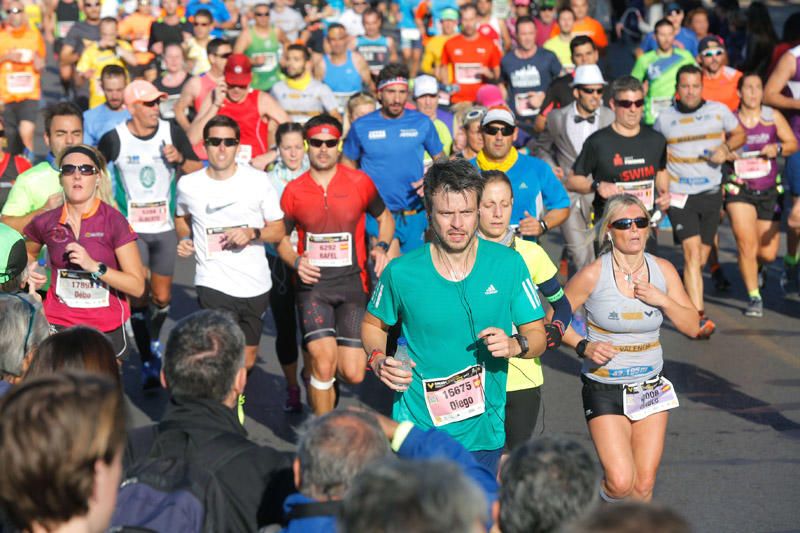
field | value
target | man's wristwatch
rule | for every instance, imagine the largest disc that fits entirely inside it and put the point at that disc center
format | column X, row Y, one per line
column 595, row 185
column 780, row 149
column 580, row 348
column 543, row 225
column 256, row 234
column 383, row 245
column 523, row 344
column 101, row 271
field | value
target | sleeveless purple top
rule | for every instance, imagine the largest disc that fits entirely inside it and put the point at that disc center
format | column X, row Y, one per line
column 763, row 133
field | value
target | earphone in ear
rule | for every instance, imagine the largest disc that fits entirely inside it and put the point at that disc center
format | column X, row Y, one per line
column 305, row 146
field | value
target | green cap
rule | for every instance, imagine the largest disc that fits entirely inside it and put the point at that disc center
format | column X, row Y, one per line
column 13, row 257
column 449, row 14
column 548, row 3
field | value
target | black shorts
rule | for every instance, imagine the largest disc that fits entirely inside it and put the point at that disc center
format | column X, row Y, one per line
column 117, row 337
column 768, row 203
column 333, row 312
column 522, row 411
column 700, row 216
column 603, row 398
column 248, row 312
column 159, row 251
column 16, row 112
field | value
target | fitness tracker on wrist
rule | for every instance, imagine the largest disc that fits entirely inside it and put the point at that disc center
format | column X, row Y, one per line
column 580, row 348
column 101, row 271
column 382, row 245
column 256, row 234
column 523, row 344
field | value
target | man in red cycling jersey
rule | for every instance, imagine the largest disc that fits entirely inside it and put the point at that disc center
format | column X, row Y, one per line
column 327, row 206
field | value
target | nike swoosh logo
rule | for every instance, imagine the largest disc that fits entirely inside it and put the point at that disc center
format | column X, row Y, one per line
column 213, row 209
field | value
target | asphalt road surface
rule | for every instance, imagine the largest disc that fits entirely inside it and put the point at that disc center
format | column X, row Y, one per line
column 732, row 456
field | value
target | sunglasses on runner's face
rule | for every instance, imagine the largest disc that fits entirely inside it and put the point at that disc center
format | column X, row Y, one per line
column 91, row 4
column 15, row 11
column 227, row 141
column 506, row 130
column 2, row 133
column 713, row 52
column 85, row 170
column 627, row 104
column 587, row 90
column 151, row 103
column 261, row 13
column 330, row 143
column 626, row 223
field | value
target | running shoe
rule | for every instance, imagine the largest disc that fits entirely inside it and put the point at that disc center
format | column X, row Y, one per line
column 762, row 277
column 755, row 308
column 707, row 328
column 790, row 282
column 721, row 283
column 293, row 404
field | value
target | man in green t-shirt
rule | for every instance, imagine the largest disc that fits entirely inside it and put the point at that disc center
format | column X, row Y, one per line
column 37, row 189
column 657, row 69
column 456, row 300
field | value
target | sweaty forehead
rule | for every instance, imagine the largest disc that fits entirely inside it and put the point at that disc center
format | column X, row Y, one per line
column 447, row 200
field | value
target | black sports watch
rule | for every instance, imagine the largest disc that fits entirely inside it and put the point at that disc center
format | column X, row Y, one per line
column 523, row 344
column 595, row 185
column 580, row 348
column 102, row 268
column 256, row 234
column 382, row 245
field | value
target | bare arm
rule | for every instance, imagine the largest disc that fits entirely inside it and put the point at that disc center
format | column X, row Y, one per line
column 675, row 304
column 363, row 69
column 736, row 138
column 387, row 369
column 206, row 112
column 393, row 58
column 348, row 162
column 267, row 105
column 556, row 217
column 242, row 42
column 185, row 101
column 784, row 71
column 785, row 135
column 385, row 234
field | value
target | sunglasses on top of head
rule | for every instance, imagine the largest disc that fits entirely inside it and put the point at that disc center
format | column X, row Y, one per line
column 317, row 143
column 85, row 170
column 626, row 223
column 505, row 129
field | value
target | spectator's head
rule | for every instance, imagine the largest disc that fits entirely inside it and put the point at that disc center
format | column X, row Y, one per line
column 495, row 206
column 526, row 33
column 689, row 85
column 297, row 61
column 13, row 260
column 697, row 21
column 469, row 19
column 665, row 35
column 449, row 20
column 333, row 449
column 484, row 7
column 426, row 95
column 499, row 133
column 203, row 24
column 238, row 75
column 142, row 99
column 393, row 89
column 630, row 517
column 452, row 190
column 61, row 443
column 109, row 32
column 566, row 20
column 624, row 225
column 588, row 85
column 174, row 58
column 547, row 11
column 337, row 39
column 77, row 348
column 711, row 54
column 218, row 51
column 372, row 21
column 16, row 17
column 544, row 483
column 580, row 8
column 323, row 133
column 584, row 51
column 674, row 14
column 92, row 9
column 261, row 15
column 170, row 7
column 113, row 79
column 420, row 496
column 627, row 101
column 204, row 357
column 22, row 328
column 63, row 126
column 289, row 138
column 83, row 174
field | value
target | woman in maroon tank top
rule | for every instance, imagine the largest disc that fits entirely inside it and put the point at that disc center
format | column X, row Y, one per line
column 753, row 195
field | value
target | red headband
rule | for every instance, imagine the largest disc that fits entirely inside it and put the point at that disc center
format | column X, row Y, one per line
column 392, row 81
column 330, row 129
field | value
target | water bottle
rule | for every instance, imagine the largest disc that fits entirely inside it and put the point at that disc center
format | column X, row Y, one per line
column 40, row 267
column 402, row 354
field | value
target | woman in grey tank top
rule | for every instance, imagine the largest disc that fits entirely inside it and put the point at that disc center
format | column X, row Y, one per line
column 627, row 293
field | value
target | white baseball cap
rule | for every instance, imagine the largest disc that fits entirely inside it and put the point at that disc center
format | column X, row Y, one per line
column 588, row 75
column 425, row 85
column 498, row 114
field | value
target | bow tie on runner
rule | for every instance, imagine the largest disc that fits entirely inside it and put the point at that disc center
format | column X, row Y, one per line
column 579, row 119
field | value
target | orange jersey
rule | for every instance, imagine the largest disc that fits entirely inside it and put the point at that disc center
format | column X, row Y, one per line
column 135, row 28
column 587, row 26
column 723, row 88
column 19, row 80
column 466, row 58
